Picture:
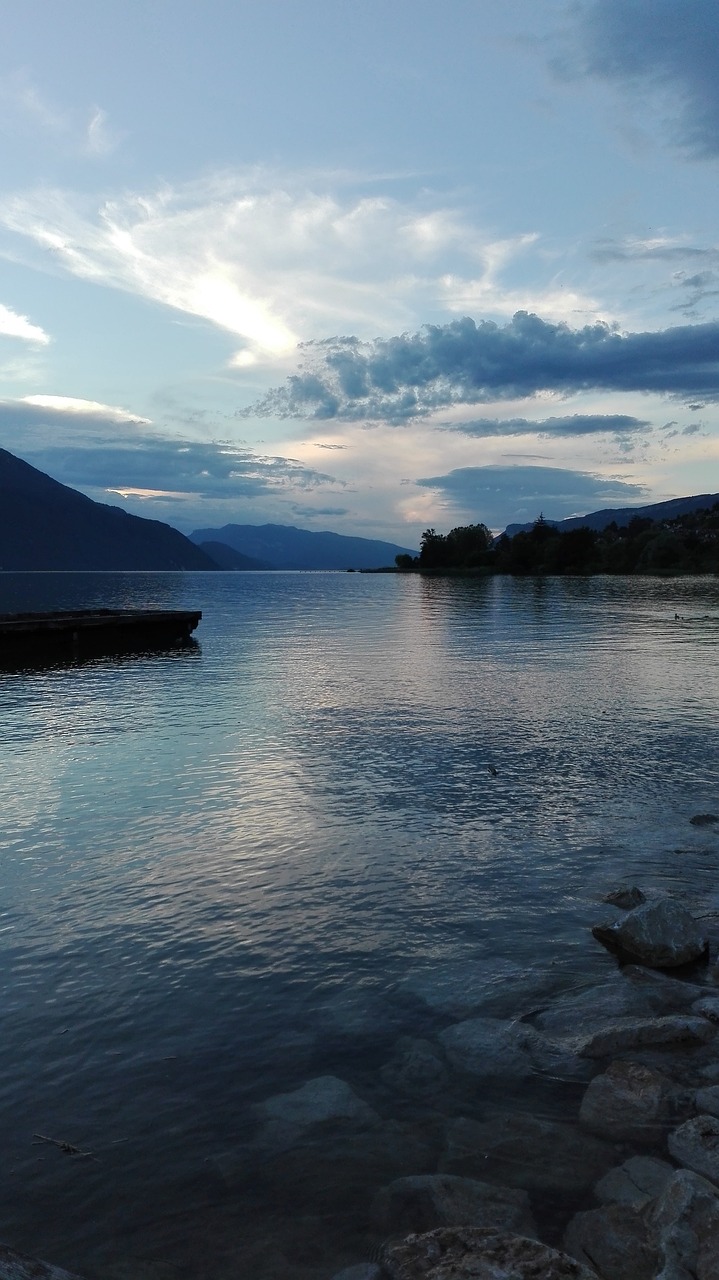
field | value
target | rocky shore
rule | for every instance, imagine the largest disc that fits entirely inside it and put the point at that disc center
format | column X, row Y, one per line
column 576, row 1139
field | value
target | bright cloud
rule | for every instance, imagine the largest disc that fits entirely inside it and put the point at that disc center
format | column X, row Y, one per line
column 13, row 325
column 85, row 408
column 272, row 261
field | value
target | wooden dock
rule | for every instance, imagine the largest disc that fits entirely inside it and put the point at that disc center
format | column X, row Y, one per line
column 86, row 633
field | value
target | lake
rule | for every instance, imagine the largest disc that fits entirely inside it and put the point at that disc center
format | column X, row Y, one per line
column 220, row 865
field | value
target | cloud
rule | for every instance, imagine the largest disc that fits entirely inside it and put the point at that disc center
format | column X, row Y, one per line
column 663, row 51
column 651, row 249
column 398, row 379
column 576, row 424
column 500, row 495
column 151, row 465
column 268, row 258
column 312, row 513
column 25, row 109
column 78, row 408
column 13, row 325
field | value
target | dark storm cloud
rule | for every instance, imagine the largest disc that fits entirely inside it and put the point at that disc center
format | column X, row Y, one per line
column 659, row 45
column 205, row 470
column 576, row 424
column 397, row 379
column 500, row 495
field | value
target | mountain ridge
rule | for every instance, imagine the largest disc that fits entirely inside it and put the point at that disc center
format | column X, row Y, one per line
column 287, row 547
column 599, row 520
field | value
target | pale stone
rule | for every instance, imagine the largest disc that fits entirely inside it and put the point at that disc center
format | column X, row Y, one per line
column 444, row 1200
column 627, row 1034
column 684, row 1228
column 326, row 1100
column 634, row 1183
column 628, row 1102
column 661, row 934
column 471, row 1253
column 695, row 1144
column 520, row 1150
column 613, row 1240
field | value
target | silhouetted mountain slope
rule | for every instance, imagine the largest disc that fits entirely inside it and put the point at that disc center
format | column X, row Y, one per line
column 45, row 525
column 225, row 557
column 288, row 548
column 600, row 519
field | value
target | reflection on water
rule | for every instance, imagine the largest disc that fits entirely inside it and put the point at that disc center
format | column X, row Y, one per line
column 218, row 868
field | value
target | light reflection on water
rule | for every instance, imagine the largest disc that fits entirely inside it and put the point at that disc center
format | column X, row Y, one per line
column 201, row 850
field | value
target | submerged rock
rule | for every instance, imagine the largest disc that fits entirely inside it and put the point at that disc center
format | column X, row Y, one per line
column 626, row 897
column 326, row 1100
column 627, row 1034
column 695, row 1144
column 628, row 1102
column 521, row 1150
column 614, row 1240
column 444, row 1200
column 416, row 1068
column 704, row 819
column 634, row 1183
column 463, row 987
column 361, row 1271
column 471, row 1253
column 660, row 934
column 493, row 1048
column 707, row 1100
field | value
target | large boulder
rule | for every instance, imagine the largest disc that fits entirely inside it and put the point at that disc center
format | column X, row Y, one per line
column 627, row 1034
column 628, row 1102
column 695, row 1144
column 471, row 1253
column 613, row 1239
column 684, row 1228
column 660, row 934
column 635, row 1183
column 443, row 1200
column 521, row 1150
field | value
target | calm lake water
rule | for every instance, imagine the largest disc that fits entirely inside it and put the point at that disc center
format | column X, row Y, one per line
column 219, row 865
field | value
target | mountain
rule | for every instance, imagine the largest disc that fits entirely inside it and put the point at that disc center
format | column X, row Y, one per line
column 285, row 547
column 46, row 525
column 599, row 520
column 227, row 558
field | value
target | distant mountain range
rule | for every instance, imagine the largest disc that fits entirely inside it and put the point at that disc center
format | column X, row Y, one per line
column 599, row 520
column 45, row 525
column 280, row 546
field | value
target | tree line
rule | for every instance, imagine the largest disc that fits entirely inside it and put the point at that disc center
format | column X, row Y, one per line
column 683, row 545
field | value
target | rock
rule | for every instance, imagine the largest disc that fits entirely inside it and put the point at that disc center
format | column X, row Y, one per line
column 487, row 1047
column 614, row 1241
column 707, row 1100
column 684, row 1228
column 634, row 1183
column 19, row 1266
column 457, row 990
column 493, row 1048
column 583, row 1011
column 707, row 1007
column 471, row 1253
column 626, row 897
column 362, row 1271
column 695, row 1144
column 628, row 1102
column 356, row 1015
column 704, row 819
column 416, row 1068
column 326, row 1100
column 520, row 1150
column 666, row 994
column 626, row 1034
column 660, row 934
column 444, row 1200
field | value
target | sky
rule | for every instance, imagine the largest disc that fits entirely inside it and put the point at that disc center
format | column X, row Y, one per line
column 372, row 267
